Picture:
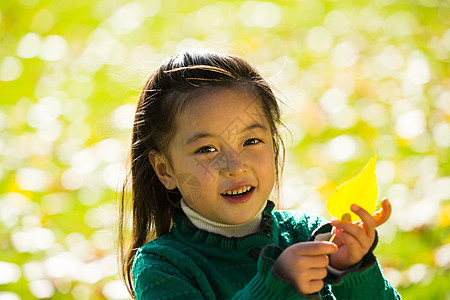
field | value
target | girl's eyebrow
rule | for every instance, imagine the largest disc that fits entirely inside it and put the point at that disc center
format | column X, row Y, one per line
column 206, row 134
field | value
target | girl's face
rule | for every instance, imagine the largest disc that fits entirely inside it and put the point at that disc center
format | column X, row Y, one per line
column 221, row 157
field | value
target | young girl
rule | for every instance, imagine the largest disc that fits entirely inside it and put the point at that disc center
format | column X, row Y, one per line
column 206, row 154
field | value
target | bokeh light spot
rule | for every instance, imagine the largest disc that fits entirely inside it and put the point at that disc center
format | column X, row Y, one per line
column 100, row 217
column 63, row 265
column 385, row 170
column 210, row 17
column 123, row 116
column 443, row 102
column 260, row 14
column 9, row 296
column 76, row 109
column 374, row 114
column 337, row 22
column 410, row 124
column 42, row 288
column 399, row 24
column 89, row 195
column 446, row 39
column 54, row 47
column 33, row 240
column 29, row 45
column 344, row 55
column 442, row 256
column 369, row 20
column 418, row 71
column 50, row 131
column 33, row 270
column 114, row 176
column 127, row 18
column 345, row 119
column 11, row 68
column 333, row 101
column 31, row 179
column 102, row 240
column 115, row 290
column 390, row 59
column 56, row 203
column 14, row 205
column 342, row 148
column 110, row 150
column 319, row 39
column 3, row 123
column 84, row 162
column 45, row 111
column 72, row 180
column 10, row 273
column 441, row 134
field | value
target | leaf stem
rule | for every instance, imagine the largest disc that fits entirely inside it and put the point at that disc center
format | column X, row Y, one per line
column 332, row 237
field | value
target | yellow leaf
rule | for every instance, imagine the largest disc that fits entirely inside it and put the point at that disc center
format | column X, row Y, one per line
column 361, row 190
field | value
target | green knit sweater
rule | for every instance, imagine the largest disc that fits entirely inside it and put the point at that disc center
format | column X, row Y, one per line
column 189, row 263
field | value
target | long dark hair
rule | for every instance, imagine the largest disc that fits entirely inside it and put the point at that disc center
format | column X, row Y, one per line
column 167, row 91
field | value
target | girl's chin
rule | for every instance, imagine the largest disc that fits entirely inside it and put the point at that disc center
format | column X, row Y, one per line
column 238, row 219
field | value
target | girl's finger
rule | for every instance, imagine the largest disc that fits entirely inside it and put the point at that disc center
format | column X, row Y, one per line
column 364, row 215
column 319, row 273
column 314, row 286
column 349, row 240
column 314, row 262
column 382, row 215
column 369, row 223
column 358, row 232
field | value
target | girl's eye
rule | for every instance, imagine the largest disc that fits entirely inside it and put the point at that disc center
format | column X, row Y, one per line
column 252, row 141
column 206, row 149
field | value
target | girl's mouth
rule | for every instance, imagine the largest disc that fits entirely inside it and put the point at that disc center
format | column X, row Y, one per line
column 239, row 196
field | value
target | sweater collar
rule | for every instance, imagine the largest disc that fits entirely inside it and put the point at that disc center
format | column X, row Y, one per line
column 185, row 229
column 228, row 230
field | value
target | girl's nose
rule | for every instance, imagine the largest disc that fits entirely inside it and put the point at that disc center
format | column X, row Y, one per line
column 233, row 165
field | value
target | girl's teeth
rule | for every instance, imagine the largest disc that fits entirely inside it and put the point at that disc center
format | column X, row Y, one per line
column 240, row 191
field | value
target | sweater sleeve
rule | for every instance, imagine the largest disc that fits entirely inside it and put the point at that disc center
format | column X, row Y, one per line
column 366, row 281
column 369, row 284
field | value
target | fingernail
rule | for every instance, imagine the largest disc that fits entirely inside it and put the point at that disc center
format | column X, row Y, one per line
column 354, row 207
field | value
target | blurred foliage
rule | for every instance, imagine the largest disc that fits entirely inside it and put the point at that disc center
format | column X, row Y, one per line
column 356, row 79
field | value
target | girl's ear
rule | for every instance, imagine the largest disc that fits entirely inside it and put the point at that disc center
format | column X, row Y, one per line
column 162, row 168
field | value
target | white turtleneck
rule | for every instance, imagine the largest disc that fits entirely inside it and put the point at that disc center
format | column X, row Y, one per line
column 228, row 230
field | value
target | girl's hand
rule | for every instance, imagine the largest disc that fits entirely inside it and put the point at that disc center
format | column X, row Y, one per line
column 305, row 265
column 355, row 239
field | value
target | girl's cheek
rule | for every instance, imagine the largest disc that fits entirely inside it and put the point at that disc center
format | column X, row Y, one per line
column 269, row 158
column 205, row 172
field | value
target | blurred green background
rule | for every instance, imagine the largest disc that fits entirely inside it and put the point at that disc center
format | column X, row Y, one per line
column 356, row 79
